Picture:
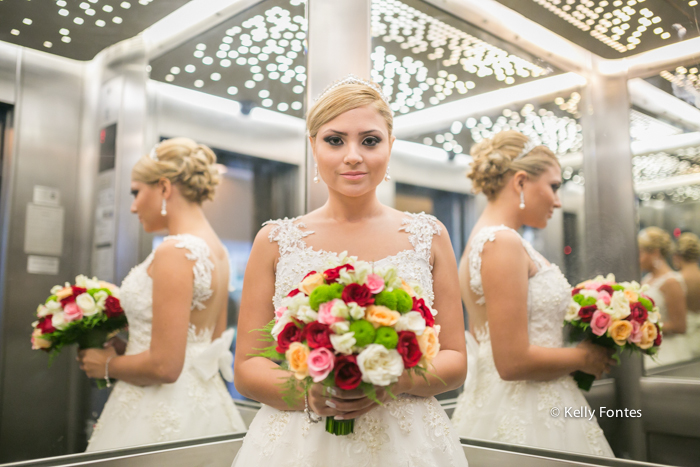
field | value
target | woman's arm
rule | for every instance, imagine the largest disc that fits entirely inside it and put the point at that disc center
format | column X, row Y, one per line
column 504, row 275
column 258, row 378
column 450, row 364
column 676, row 307
column 173, row 283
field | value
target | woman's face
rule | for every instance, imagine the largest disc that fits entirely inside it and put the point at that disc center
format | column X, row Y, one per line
column 542, row 197
column 646, row 259
column 352, row 151
column 148, row 199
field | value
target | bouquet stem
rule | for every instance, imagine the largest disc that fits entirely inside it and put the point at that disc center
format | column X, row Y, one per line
column 584, row 380
column 339, row 427
column 94, row 339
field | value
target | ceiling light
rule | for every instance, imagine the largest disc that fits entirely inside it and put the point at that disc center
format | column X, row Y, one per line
column 100, row 23
column 48, row 44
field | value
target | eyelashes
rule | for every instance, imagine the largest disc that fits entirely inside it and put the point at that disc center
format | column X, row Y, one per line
column 134, row 193
column 370, row 141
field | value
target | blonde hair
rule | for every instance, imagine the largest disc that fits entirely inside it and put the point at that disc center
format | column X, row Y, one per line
column 342, row 99
column 495, row 159
column 190, row 166
column 689, row 247
column 655, row 238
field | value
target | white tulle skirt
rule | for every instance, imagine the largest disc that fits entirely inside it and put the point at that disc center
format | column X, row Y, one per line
column 530, row 413
column 408, row 432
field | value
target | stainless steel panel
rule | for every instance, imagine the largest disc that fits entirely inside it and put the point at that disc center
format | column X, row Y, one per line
column 8, row 72
column 671, row 405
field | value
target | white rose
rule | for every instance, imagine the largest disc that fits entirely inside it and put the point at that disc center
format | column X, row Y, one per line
column 620, row 305
column 379, row 365
column 343, row 343
column 341, row 327
column 411, row 321
column 101, row 299
column 59, row 321
column 81, row 281
column 43, row 310
column 391, row 278
column 340, row 309
column 356, row 311
column 280, row 324
column 654, row 317
column 55, row 289
column 357, row 276
column 86, row 303
column 54, row 306
column 306, row 314
column 294, row 303
column 572, row 312
column 589, row 293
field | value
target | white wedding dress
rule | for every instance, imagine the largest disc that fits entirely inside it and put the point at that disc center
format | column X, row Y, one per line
column 519, row 412
column 675, row 348
column 198, row 403
column 409, row 432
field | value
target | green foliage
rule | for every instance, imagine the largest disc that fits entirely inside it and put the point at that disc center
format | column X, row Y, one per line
column 386, row 299
column 52, row 298
column 293, row 390
column 269, row 351
column 387, row 337
column 103, row 289
column 89, row 332
column 617, row 287
column 404, row 302
column 646, row 303
column 364, row 332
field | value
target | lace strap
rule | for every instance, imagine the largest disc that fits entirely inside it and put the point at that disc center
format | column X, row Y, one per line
column 199, row 253
column 288, row 234
column 487, row 234
column 421, row 228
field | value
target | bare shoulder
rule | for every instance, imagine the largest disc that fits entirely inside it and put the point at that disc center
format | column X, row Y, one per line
column 168, row 256
column 504, row 244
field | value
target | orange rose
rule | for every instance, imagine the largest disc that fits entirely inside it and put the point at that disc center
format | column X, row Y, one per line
column 619, row 331
column 631, row 295
column 409, row 290
column 38, row 342
column 64, row 293
column 311, row 282
column 649, row 333
column 297, row 356
column 381, row 316
column 429, row 345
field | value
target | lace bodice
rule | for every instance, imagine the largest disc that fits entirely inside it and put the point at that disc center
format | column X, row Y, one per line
column 657, row 295
column 548, row 295
column 297, row 259
column 137, row 294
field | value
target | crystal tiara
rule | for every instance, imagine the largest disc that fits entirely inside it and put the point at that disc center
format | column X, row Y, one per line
column 154, row 153
column 352, row 79
column 529, row 146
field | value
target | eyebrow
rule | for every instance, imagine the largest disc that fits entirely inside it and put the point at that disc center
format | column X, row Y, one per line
column 361, row 133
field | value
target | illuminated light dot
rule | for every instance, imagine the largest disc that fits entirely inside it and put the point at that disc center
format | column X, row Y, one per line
column 169, row 78
column 250, row 84
column 15, row 32
column 84, row 5
column 227, row 40
column 677, row 232
column 658, row 30
column 65, row 39
column 117, row 20
column 267, row 102
column 201, row 46
column 63, row 12
column 27, row 21
column 207, row 60
column 100, row 23
column 264, row 94
column 175, row 70
column 274, row 75
column 252, row 61
column 692, row 3
column 567, row 250
column 232, row 90
column 215, row 76
column 90, row 12
column 61, row 3
column 63, row 31
column 107, row 9
column 225, row 63
column 78, row 20
column 190, row 68
column 241, row 61
column 48, row 44
column 125, row 5
column 198, row 83
column 232, row 54
column 285, row 79
column 666, row 35
column 282, row 106
column 296, row 105
column 298, row 89
column 198, row 54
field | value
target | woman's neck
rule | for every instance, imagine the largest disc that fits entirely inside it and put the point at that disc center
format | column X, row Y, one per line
column 501, row 211
column 689, row 267
column 660, row 269
column 351, row 209
column 188, row 218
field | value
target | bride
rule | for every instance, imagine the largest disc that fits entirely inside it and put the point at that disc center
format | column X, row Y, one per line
column 350, row 130
column 516, row 302
column 169, row 385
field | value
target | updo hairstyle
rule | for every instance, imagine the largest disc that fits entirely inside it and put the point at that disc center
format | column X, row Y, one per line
column 493, row 161
column 689, row 247
column 344, row 98
column 655, row 238
column 190, row 166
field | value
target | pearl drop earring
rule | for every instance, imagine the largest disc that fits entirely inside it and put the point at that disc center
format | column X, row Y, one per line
column 387, row 177
column 522, row 200
column 163, row 211
column 316, row 179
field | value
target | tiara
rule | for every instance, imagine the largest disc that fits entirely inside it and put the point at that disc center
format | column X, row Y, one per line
column 529, row 146
column 352, row 79
column 154, row 153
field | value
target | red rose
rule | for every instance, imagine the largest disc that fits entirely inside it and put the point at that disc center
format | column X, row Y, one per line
column 659, row 339
column 359, row 294
column 653, row 303
column 332, row 275
column 638, row 313
column 294, row 292
column 312, row 272
column 575, row 291
column 317, row 335
column 409, row 349
column 347, row 374
column 290, row 333
column 71, row 298
column 606, row 288
column 420, row 306
column 113, row 307
column 586, row 313
column 45, row 325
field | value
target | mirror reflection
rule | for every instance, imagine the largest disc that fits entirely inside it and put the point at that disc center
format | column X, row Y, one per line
column 146, row 144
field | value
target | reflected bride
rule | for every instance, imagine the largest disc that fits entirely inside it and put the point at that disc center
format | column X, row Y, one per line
column 518, row 389
column 169, row 386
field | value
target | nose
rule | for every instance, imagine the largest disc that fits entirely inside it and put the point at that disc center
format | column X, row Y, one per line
column 353, row 156
column 557, row 201
column 133, row 207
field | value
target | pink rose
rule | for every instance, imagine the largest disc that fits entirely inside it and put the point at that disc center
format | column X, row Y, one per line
column 320, row 363
column 604, row 296
column 592, row 285
column 635, row 335
column 600, row 322
column 324, row 313
column 375, row 283
column 279, row 312
column 72, row 312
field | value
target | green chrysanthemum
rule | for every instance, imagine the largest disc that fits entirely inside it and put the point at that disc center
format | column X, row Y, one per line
column 387, row 337
column 324, row 293
column 364, row 332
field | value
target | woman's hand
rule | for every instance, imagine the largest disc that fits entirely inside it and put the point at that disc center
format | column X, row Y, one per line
column 118, row 343
column 596, row 358
column 343, row 405
column 93, row 361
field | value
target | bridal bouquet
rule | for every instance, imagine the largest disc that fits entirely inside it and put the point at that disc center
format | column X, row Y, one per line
column 84, row 313
column 349, row 326
column 615, row 315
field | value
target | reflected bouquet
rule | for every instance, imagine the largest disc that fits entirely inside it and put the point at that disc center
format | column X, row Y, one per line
column 84, row 313
column 615, row 315
column 350, row 326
